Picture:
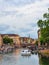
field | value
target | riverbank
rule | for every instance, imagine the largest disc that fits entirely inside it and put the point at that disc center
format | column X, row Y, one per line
column 7, row 48
column 44, row 52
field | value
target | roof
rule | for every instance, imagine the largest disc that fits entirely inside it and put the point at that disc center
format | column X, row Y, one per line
column 27, row 38
column 9, row 34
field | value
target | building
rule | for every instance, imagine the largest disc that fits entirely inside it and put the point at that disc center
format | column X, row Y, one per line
column 39, row 35
column 15, row 37
column 27, row 40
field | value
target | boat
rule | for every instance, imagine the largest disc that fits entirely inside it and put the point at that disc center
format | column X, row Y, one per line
column 26, row 53
column 34, row 52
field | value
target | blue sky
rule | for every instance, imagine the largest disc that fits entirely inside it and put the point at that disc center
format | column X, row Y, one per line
column 21, row 16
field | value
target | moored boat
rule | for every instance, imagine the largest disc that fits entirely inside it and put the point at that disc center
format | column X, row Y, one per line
column 25, row 53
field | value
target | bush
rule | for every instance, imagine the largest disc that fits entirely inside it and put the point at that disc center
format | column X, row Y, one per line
column 7, row 40
column 36, row 42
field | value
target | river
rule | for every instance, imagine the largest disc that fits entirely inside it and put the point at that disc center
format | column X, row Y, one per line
column 15, row 58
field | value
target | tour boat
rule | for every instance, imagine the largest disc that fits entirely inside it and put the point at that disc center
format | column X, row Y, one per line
column 25, row 53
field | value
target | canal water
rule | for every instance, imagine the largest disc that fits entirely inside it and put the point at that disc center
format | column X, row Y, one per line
column 16, row 59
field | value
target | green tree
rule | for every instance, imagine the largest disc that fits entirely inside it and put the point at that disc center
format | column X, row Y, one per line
column 47, row 40
column 40, row 23
column 7, row 40
column 36, row 42
column 44, row 27
column 42, row 41
column 11, row 41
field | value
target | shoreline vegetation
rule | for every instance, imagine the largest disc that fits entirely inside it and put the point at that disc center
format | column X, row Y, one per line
column 43, row 34
column 44, row 53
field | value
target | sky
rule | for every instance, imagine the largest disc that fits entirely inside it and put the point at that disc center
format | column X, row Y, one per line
column 21, row 16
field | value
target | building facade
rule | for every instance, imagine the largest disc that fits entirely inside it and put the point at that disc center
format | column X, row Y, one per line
column 27, row 40
column 15, row 37
column 39, row 35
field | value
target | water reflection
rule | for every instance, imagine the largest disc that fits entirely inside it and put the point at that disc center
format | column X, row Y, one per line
column 16, row 59
column 44, row 61
column 1, row 57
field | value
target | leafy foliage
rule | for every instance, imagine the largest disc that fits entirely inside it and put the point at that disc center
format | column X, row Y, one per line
column 44, row 27
column 7, row 40
column 41, row 40
column 36, row 42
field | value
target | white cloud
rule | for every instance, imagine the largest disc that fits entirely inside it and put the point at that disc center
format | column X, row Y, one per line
column 23, row 17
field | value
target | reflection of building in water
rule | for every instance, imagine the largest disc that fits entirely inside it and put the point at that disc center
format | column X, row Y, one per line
column 17, row 52
column 1, row 57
